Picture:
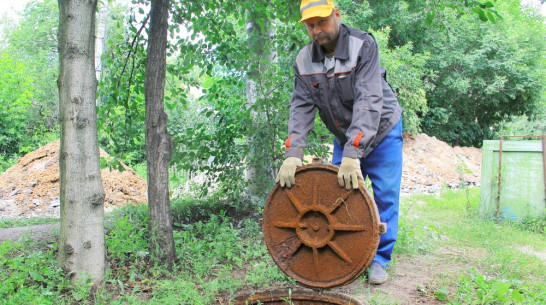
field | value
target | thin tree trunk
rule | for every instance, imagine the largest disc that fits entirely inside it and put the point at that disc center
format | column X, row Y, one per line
column 101, row 38
column 82, row 249
column 259, row 167
column 158, row 141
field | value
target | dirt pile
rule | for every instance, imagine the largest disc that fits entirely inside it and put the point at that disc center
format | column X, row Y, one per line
column 430, row 164
column 31, row 187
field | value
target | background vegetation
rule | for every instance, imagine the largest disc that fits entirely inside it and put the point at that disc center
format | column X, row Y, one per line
column 458, row 78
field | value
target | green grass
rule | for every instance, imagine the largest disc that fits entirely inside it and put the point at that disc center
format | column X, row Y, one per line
column 11, row 223
column 221, row 252
column 505, row 272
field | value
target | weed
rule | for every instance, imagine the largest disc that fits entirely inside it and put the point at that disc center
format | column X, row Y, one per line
column 415, row 236
column 533, row 224
column 475, row 288
column 7, row 162
column 379, row 298
column 126, row 236
column 263, row 274
column 29, row 273
column 81, row 288
column 463, row 169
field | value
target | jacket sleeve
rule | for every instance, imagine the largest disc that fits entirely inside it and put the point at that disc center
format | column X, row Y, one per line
column 368, row 101
column 302, row 117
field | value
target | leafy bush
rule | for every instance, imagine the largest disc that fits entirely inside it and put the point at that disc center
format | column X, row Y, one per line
column 29, row 273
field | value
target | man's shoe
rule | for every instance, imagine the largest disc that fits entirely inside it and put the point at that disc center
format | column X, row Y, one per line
column 377, row 275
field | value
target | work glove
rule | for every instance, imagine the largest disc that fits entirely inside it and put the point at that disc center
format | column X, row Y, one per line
column 287, row 173
column 349, row 172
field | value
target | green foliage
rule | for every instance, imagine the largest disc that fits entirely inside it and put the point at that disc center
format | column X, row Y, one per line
column 127, row 239
column 29, row 273
column 6, row 162
column 203, row 244
column 15, row 102
column 29, row 68
column 485, row 11
column 479, row 73
column 522, row 125
column 120, row 106
column 483, row 79
column 232, row 131
column 476, row 288
column 415, row 236
column 406, row 71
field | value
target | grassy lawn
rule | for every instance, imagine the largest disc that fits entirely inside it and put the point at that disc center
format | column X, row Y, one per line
column 465, row 259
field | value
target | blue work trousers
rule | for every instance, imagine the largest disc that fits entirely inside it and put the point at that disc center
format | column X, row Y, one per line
column 383, row 166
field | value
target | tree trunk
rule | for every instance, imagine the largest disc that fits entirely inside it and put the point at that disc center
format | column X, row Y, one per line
column 259, row 168
column 101, row 38
column 158, row 141
column 82, row 249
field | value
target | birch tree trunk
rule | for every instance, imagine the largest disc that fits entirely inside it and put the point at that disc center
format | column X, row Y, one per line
column 101, row 38
column 259, row 166
column 158, row 141
column 82, row 250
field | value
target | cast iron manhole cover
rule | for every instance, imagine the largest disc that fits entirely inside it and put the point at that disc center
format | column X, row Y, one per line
column 318, row 233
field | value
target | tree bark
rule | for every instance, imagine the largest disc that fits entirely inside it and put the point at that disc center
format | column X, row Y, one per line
column 101, row 38
column 158, row 141
column 259, row 168
column 82, row 247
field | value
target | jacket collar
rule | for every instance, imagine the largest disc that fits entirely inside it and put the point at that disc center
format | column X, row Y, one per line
column 341, row 51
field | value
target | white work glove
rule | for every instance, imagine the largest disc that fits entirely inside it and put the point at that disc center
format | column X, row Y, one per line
column 349, row 172
column 287, row 173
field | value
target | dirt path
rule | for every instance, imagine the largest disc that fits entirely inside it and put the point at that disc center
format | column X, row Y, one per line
column 43, row 232
column 412, row 280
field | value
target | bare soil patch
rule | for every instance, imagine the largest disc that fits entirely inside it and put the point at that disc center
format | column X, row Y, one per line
column 430, row 164
column 31, row 187
column 44, row 232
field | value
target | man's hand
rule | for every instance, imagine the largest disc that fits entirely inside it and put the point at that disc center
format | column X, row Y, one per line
column 349, row 172
column 287, row 173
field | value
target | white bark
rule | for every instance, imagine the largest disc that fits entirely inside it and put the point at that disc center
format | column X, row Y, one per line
column 82, row 249
column 257, row 39
column 101, row 38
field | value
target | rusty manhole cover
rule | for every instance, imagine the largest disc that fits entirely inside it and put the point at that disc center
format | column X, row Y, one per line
column 318, row 233
column 296, row 298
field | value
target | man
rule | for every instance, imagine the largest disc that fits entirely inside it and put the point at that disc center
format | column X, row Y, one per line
column 338, row 73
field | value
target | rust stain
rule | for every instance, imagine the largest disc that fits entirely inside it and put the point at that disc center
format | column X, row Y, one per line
column 297, row 297
column 314, row 241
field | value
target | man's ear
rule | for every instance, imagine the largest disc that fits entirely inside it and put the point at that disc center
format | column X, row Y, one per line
column 337, row 14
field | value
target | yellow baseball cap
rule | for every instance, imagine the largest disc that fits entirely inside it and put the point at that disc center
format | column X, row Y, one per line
column 315, row 8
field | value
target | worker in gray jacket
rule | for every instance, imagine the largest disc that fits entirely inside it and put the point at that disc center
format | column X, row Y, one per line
column 338, row 73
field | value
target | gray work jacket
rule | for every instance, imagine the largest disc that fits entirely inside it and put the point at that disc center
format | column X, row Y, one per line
column 356, row 103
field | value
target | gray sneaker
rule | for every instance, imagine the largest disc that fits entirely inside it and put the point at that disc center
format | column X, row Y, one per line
column 377, row 275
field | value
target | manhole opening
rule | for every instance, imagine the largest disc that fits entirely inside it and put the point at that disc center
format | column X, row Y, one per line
column 296, row 298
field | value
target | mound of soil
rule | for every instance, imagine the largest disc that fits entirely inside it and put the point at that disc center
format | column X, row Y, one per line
column 31, row 187
column 430, row 164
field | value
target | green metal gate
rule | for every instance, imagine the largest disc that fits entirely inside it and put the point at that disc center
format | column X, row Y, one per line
column 512, row 182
